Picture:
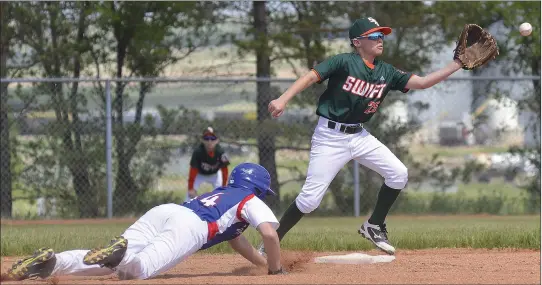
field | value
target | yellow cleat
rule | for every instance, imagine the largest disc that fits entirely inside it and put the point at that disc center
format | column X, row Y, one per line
column 109, row 256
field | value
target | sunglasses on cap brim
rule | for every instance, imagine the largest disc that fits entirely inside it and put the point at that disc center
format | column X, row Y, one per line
column 373, row 36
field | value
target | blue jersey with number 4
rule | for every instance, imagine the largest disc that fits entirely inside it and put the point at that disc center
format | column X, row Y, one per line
column 221, row 209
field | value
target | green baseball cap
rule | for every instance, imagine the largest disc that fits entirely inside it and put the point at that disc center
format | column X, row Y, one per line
column 365, row 26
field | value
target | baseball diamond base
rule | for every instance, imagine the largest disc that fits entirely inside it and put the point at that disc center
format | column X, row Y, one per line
column 355, row 258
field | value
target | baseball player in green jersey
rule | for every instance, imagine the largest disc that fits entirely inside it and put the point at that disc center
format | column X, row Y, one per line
column 357, row 85
column 207, row 159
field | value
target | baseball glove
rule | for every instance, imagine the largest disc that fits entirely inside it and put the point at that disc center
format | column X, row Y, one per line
column 475, row 47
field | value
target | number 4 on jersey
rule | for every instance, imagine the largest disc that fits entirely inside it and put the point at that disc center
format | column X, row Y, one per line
column 211, row 200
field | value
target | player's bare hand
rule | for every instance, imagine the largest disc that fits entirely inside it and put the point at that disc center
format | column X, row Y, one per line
column 281, row 271
column 276, row 107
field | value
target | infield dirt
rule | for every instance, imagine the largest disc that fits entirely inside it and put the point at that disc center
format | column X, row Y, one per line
column 433, row 266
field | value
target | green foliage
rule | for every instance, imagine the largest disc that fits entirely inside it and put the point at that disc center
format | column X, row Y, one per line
column 147, row 37
column 301, row 30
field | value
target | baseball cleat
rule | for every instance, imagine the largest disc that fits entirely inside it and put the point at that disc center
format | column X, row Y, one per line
column 109, row 256
column 261, row 250
column 378, row 235
column 40, row 264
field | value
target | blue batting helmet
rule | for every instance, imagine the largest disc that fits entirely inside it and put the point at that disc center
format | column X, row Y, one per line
column 252, row 176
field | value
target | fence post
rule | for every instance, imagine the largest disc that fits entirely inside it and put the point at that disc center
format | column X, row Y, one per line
column 357, row 195
column 108, row 149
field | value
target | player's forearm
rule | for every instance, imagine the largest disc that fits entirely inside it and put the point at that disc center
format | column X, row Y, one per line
column 245, row 249
column 272, row 249
column 439, row 75
column 300, row 85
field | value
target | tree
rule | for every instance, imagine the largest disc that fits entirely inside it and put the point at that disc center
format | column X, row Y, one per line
column 303, row 34
column 525, row 58
column 148, row 36
column 302, row 28
column 266, row 140
column 6, row 36
column 48, row 31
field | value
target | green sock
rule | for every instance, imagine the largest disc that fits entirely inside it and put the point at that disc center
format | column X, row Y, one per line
column 290, row 218
column 386, row 198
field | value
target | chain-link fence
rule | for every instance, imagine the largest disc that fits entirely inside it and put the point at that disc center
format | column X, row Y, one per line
column 103, row 148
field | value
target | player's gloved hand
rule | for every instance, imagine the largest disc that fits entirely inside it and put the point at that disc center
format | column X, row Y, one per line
column 276, row 107
column 192, row 193
column 281, row 271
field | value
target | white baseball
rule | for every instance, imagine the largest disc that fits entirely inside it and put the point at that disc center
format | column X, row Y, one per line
column 525, row 29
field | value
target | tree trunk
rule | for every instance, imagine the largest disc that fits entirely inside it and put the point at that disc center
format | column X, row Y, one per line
column 124, row 175
column 535, row 67
column 126, row 191
column 86, row 199
column 5, row 156
column 266, row 139
column 125, row 188
column 86, row 196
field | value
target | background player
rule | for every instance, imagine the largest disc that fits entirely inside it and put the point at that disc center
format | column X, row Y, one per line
column 207, row 159
column 357, row 86
column 169, row 233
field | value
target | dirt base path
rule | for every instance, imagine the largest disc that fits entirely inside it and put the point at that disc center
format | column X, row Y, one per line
column 435, row 266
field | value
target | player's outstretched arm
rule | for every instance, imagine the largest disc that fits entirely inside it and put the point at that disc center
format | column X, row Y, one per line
column 417, row 82
column 245, row 249
column 261, row 217
column 277, row 106
column 271, row 243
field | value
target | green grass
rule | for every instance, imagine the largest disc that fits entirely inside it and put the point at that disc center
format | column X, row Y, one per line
column 420, row 232
column 317, row 234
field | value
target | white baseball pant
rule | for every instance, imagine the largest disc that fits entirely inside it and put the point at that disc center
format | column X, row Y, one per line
column 213, row 179
column 332, row 149
column 159, row 240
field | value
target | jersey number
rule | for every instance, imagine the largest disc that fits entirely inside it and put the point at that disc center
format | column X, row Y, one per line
column 373, row 106
column 211, row 200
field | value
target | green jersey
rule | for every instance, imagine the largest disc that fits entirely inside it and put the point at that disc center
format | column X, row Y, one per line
column 356, row 89
column 208, row 163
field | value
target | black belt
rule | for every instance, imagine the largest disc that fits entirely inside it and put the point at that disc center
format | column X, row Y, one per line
column 346, row 129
